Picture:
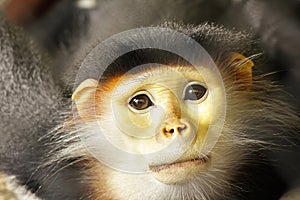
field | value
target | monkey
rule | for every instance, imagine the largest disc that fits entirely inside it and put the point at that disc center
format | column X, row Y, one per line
column 194, row 175
column 59, row 163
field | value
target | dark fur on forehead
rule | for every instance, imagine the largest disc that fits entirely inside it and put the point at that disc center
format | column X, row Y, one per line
column 216, row 40
column 147, row 57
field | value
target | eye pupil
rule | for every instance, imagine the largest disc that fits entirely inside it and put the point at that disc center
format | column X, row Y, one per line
column 195, row 92
column 140, row 102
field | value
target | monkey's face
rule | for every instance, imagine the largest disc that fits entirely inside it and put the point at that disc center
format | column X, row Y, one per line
column 163, row 114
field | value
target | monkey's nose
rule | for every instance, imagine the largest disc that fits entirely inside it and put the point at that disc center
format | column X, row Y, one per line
column 170, row 130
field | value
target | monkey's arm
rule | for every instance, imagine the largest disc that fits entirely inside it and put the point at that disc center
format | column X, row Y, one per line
column 30, row 107
column 28, row 99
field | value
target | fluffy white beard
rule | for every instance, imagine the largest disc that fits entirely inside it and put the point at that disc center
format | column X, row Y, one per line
column 129, row 186
column 212, row 184
column 215, row 183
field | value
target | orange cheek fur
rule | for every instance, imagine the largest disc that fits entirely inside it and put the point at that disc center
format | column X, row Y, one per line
column 104, row 92
column 99, row 175
column 92, row 106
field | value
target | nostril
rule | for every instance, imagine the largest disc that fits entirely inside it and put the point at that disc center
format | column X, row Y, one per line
column 181, row 128
column 168, row 130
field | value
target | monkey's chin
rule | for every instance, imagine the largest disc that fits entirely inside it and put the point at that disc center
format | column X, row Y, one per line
column 180, row 172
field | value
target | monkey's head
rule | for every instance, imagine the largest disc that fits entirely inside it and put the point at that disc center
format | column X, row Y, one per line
column 163, row 109
column 154, row 112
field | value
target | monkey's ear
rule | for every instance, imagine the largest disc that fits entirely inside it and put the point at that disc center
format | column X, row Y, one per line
column 242, row 68
column 84, row 97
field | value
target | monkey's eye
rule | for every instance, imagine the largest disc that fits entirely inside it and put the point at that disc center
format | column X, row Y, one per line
column 195, row 91
column 140, row 102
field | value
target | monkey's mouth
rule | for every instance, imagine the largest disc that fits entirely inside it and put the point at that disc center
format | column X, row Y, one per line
column 181, row 164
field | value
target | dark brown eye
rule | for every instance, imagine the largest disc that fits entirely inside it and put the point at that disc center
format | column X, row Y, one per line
column 140, row 102
column 194, row 92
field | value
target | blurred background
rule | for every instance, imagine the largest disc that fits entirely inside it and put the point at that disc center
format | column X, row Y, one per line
column 60, row 26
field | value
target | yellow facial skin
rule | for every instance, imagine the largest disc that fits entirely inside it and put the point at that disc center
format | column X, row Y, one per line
column 170, row 133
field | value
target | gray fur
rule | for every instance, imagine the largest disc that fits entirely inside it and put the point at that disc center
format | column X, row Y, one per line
column 28, row 96
column 30, row 106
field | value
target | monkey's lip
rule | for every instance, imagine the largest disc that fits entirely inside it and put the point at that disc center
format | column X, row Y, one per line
column 180, row 164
